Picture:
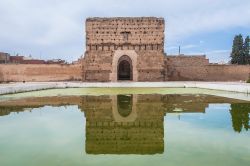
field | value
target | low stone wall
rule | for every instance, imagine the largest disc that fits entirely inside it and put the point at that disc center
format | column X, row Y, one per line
column 41, row 72
column 243, row 89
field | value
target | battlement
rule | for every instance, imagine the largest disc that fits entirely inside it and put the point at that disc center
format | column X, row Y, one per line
column 124, row 18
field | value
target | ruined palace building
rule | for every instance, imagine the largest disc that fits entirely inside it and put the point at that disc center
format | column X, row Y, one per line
column 130, row 49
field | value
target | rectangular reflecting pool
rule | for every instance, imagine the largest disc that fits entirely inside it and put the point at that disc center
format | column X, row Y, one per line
column 125, row 129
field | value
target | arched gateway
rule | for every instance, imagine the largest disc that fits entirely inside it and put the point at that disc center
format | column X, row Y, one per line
column 124, row 68
column 124, row 64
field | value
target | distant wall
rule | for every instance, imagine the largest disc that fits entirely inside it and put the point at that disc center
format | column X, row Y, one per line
column 41, row 72
column 198, row 68
column 228, row 72
column 184, row 68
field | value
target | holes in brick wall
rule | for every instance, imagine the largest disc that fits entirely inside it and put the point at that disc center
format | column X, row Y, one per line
column 122, row 47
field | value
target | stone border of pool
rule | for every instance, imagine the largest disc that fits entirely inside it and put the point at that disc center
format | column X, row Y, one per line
column 33, row 86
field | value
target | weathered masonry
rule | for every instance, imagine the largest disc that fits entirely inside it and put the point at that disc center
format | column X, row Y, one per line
column 124, row 49
column 132, row 48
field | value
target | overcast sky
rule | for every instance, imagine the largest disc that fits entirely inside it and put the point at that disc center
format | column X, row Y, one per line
column 55, row 28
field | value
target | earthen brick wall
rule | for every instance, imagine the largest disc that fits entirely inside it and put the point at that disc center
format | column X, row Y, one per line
column 137, row 33
column 104, row 36
column 41, row 72
column 198, row 68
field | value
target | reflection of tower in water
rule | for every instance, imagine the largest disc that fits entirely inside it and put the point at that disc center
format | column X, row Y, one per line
column 120, row 125
column 131, row 124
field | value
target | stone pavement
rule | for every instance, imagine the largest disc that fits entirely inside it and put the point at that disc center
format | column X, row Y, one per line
column 31, row 86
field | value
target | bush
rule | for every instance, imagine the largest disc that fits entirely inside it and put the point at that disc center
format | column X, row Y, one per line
column 248, row 81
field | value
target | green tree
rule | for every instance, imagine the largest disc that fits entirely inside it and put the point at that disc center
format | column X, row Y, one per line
column 246, row 50
column 237, row 55
column 240, row 116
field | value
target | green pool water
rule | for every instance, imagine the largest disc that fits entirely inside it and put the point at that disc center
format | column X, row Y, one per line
column 123, row 129
column 110, row 91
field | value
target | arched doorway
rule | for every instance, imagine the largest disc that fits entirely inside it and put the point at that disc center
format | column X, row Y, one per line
column 124, row 68
column 124, row 108
column 124, row 105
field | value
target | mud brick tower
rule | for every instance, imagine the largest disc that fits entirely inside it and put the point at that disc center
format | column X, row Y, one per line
column 124, row 48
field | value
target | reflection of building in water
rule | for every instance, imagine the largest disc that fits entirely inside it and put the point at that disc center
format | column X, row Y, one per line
column 117, row 126
column 131, row 124
column 135, row 124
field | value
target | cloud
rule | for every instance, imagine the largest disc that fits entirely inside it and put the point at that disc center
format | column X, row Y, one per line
column 175, row 49
column 189, row 46
column 56, row 28
column 209, row 16
column 215, row 56
column 221, row 56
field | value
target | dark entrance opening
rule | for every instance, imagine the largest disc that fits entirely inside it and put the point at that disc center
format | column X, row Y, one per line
column 124, row 68
column 124, row 104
